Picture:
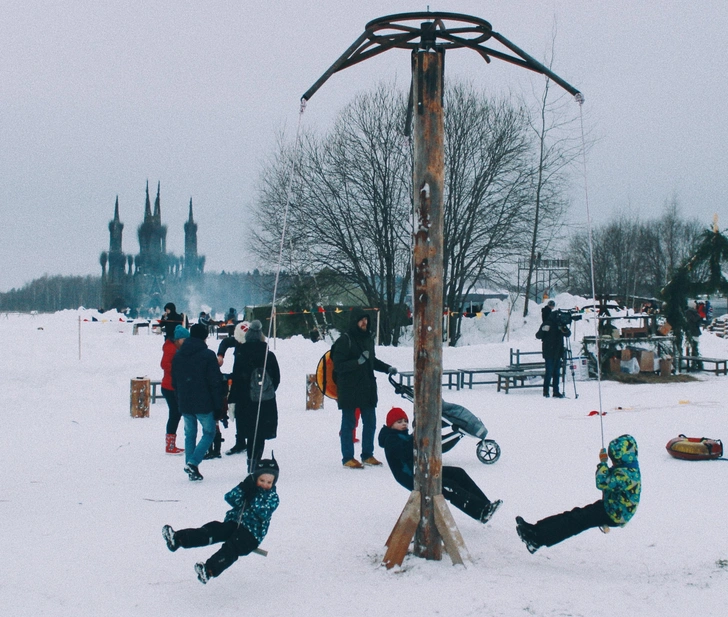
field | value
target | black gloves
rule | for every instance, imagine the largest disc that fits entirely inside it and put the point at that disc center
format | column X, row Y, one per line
column 248, row 486
column 391, row 370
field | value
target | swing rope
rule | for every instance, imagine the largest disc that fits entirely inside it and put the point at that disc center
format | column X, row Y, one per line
column 580, row 99
column 289, row 191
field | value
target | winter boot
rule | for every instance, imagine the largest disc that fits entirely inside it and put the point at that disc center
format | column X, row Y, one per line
column 490, row 510
column 170, row 538
column 527, row 534
column 171, row 446
column 202, row 574
column 214, row 451
column 193, row 472
column 240, row 446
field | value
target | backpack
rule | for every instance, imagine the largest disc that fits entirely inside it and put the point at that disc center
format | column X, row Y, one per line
column 325, row 373
column 257, row 378
column 326, row 376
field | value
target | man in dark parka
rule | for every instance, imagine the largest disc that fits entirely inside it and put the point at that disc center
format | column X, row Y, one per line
column 354, row 365
column 198, row 383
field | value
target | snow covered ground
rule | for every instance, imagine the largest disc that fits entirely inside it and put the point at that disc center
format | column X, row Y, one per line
column 86, row 489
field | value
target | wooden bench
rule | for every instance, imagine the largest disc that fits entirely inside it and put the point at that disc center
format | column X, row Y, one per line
column 720, row 365
column 518, row 364
column 155, row 395
column 517, row 379
column 141, row 324
column 468, row 376
column 450, row 378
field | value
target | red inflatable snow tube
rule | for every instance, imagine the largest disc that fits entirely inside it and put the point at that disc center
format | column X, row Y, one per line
column 695, row 448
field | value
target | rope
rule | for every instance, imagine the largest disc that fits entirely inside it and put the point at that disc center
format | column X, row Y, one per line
column 580, row 99
column 289, row 191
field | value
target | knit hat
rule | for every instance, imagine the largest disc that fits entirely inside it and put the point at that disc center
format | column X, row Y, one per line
column 266, row 465
column 240, row 331
column 255, row 331
column 199, row 331
column 396, row 414
column 180, row 332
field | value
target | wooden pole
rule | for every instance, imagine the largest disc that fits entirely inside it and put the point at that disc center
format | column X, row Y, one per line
column 426, row 517
column 428, row 180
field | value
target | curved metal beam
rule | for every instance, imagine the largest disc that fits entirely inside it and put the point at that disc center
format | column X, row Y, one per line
column 394, row 31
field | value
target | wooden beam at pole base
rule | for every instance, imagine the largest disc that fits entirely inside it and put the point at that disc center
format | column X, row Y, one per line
column 404, row 530
column 451, row 537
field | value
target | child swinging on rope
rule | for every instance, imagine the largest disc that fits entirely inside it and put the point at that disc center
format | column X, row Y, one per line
column 457, row 486
column 253, row 502
column 620, row 485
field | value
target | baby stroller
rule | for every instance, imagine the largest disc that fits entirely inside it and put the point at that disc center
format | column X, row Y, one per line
column 456, row 423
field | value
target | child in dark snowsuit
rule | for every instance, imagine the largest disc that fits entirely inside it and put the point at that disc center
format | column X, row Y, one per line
column 253, row 502
column 620, row 485
column 457, row 486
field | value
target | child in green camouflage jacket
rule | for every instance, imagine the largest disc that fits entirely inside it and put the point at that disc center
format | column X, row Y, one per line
column 620, row 484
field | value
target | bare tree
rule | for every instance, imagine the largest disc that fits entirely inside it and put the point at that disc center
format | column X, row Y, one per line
column 351, row 204
column 634, row 257
column 558, row 145
column 351, row 200
column 487, row 190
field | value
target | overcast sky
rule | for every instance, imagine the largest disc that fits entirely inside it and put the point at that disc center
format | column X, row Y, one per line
column 96, row 98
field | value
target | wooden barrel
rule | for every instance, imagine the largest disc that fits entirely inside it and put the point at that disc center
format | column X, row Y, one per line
column 314, row 396
column 140, row 397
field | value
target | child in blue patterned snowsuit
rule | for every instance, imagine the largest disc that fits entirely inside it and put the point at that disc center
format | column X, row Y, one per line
column 253, row 502
column 620, row 484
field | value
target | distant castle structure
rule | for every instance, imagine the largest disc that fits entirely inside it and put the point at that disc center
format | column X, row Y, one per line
column 142, row 282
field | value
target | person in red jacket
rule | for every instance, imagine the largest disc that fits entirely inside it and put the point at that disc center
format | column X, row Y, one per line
column 169, row 348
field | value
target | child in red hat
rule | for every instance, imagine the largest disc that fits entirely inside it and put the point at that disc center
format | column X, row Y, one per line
column 457, row 486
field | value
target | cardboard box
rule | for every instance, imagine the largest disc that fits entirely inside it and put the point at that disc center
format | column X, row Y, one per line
column 614, row 365
column 626, row 354
column 665, row 366
column 647, row 362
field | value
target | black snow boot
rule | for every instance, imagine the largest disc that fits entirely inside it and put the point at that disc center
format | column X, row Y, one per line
column 214, row 451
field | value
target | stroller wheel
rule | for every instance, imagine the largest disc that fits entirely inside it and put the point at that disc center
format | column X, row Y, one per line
column 488, row 451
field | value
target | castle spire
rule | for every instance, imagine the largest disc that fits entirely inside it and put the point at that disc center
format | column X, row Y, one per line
column 147, row 205
column 193, row 263
column 157, row 209
column 116, row 210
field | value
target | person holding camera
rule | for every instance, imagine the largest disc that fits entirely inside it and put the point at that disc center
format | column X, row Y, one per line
column 551, row 334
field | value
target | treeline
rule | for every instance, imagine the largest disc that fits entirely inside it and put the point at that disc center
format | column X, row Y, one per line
column 633, row 257
column 53, row 293
column 216, row 290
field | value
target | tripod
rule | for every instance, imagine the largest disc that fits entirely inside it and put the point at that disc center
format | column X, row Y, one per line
column 568, row 358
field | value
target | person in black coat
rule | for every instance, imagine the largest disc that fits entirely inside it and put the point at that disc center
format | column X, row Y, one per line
column 457, row 486
column 237, row 341
column 354, row 365
column 547, row 310
column 170, row 320
column 552, row 335
column 198, row 384
column 248, row 357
